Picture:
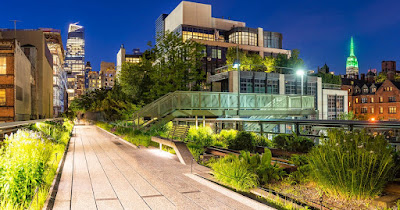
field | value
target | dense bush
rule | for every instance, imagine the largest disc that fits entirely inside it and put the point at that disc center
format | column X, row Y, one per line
column 28, row 161
column 262, row 141
column 196, row 150
column 235, row 173
column 292, row 143
column 352, row 164
column 243, row 141
column 201, row 136
column 246, row 171
column 226, row 136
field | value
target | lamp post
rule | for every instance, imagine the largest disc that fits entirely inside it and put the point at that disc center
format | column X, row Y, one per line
column 301, row 73
column 236, row 65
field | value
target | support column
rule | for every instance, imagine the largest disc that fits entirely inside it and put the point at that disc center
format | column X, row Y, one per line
column 204, row 121
column 197, row 122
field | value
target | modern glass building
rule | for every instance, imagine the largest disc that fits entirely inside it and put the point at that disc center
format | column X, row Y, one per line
column 194, row 21
column 74, row 57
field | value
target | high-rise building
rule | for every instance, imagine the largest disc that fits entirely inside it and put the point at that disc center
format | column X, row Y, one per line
column 88, row 68
column 352, row 63
column 160, row 25
column 194, row 21
column 74, row 58
column 94, row 80
column 122, row 57
column 107, row 74
column 54, row 43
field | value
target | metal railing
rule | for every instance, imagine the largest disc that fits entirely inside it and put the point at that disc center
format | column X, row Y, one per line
column 13, row 126
column 191, row 100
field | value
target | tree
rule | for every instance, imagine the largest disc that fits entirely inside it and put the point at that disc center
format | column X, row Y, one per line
column 170, row 65
column 381, row 77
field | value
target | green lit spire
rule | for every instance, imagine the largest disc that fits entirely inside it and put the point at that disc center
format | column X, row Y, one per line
column 352, row 47
column 352, row 63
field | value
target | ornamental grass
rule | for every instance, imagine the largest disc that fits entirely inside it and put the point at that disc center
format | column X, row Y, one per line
column 352, row 164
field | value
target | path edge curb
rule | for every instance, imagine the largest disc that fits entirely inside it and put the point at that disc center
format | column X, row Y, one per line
column 119, row 138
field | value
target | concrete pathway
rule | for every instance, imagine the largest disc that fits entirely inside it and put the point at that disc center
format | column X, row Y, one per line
column 102, row 171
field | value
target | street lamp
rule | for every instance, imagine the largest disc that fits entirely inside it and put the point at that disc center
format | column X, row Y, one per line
column 300, row 72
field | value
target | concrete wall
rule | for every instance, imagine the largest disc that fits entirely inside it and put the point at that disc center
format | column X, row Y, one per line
column 225, row 24
column 22, row 85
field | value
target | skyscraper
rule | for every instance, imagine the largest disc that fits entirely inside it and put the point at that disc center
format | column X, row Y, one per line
column 352, row 63
column 74, row 57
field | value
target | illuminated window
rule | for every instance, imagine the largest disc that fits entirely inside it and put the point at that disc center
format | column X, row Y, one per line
column 392, row 110
column 349, row 103
column 380, row 99
column 372, row 110
column 3, row 65
column 356, row 100
column 364, row 110
column 380, row 110
column 372, row 100
column 2, row 97
column 365, row 90
column 363, row 100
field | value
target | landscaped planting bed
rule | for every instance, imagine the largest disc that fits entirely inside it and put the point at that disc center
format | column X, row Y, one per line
column 29, row 159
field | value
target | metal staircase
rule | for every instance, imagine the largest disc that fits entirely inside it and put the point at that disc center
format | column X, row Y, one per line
column 215, row 104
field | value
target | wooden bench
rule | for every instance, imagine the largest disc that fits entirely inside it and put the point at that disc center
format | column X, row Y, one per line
column 175, row 139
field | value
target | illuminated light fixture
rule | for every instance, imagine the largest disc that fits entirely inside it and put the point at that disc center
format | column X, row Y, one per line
column 372, row 119
column 300, row 72
column 236, row 64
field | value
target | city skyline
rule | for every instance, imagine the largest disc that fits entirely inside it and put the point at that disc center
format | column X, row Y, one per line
column 321, row 31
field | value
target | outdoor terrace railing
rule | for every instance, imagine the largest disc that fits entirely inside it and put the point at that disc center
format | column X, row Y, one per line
column 195, row 100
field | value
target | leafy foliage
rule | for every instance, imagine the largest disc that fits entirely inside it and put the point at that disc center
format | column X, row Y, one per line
column 201, row 136
column 254, row 62
column 301, row 175
column 352, row 164
column 292, row 143
column 27, row 162
column 329, row 78
column 243, row 141
column 172, row 64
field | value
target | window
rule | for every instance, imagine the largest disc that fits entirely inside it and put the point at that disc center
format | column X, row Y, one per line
column 349, row 103
column 380, row 99
column 364, row 100
column 356, row 100
column 2, row 97
column 3, row 65
column 392, row 99
column 335, row 106
column 373, row 90
column 272, row 86
column 259, row 86
column 364, row 110
column 290, row 87
column 380, row 110
column 372, row 110
column 372, row 100
column 246, row 85
column 392, row 110
column 365, row 90
column 311, row 88
column 349, row 90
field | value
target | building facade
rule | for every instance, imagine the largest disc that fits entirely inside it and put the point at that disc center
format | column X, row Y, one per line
column 122, row 57
column 15, row 82
column 194, row 21
column 352, row 63
column 54, row 43
column 107, row 74
column 74, row 58
column 34, row 45
column 94, row 80
column 330, row 100
column 88, row 68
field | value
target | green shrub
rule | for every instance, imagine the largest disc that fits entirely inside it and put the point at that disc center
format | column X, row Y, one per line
column 24, row 158
column 292, row 143
column 227, row 135
column 262, row 141
column 232, row 171
column 243, row 141
column 196, row 150
column 261, row 165
column 352, row 164
column 302, row 174
column 201, row 136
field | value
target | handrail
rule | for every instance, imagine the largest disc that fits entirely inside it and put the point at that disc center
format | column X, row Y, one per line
column 198, row 100
column 4, row 127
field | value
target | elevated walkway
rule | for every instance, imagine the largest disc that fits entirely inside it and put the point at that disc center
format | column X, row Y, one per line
column 216, row 104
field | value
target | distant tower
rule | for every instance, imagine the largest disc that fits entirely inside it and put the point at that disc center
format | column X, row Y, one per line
column 352, row 63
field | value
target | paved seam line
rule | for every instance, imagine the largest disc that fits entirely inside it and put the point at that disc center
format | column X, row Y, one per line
column 121, row 173
column 73, row 167
column 104, row 172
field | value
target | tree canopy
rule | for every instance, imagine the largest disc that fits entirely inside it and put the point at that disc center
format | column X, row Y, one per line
column 170, row 65
column 255, row 62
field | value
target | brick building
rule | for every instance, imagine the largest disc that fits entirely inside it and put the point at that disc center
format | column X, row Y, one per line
column 374, row 101
column 107, row 74
column 15, row 82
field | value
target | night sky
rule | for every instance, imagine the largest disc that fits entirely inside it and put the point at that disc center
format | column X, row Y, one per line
column 321, row 30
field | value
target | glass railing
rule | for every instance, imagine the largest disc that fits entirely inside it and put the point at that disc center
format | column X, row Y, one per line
column 193, row 100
